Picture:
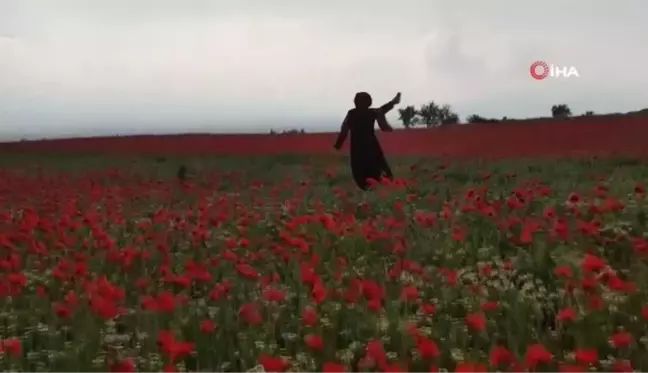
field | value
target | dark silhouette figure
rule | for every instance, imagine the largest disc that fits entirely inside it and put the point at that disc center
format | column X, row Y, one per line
column 182, row 173
column 367, row 158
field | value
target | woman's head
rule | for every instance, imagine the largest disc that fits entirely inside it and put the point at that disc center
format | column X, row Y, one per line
column 362, row 100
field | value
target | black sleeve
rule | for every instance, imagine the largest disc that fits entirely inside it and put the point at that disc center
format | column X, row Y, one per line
column 344, row 131
column 386, row 108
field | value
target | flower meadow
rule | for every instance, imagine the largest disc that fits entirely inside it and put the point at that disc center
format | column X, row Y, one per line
column 280, row 264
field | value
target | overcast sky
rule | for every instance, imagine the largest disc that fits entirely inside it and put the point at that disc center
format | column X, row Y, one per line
column 83, row 67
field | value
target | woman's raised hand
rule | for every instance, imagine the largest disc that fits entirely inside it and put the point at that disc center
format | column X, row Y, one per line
column 397, row 99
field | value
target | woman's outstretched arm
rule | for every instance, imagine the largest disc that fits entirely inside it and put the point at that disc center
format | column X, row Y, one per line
column 383, row 124
column 386, row 108
column 344, row 131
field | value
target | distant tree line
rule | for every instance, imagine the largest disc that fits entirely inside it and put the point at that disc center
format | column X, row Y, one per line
column 433, row 115
column 429, row 115
column 288, row 132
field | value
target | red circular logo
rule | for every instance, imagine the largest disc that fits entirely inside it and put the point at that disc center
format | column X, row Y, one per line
column 534, row 70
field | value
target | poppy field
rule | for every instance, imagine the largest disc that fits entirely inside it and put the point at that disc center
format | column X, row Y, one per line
column 281, row 264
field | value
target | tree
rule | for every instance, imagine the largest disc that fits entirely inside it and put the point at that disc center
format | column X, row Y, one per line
column 589, row 113
column 479, row 119
column 447, row 116
column 561, row 111
column 408, row 116
column 434, row 115
column 474, row 118
column 428, row 113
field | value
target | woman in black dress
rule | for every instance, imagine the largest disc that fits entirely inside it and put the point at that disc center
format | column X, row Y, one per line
column 367, row 158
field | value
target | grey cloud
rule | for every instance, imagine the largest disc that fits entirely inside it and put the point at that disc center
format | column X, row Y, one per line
column 214, row 65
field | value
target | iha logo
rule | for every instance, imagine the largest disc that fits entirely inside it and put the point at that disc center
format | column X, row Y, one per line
column 540, row 70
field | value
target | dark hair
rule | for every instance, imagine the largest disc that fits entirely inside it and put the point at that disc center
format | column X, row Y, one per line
column 362, row 100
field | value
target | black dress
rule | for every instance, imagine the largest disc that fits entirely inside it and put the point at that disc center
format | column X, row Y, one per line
column 367, row 158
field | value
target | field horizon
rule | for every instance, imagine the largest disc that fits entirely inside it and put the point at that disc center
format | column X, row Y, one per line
column 602, row 136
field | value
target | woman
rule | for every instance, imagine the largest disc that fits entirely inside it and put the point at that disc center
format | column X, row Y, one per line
column 367, row 158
